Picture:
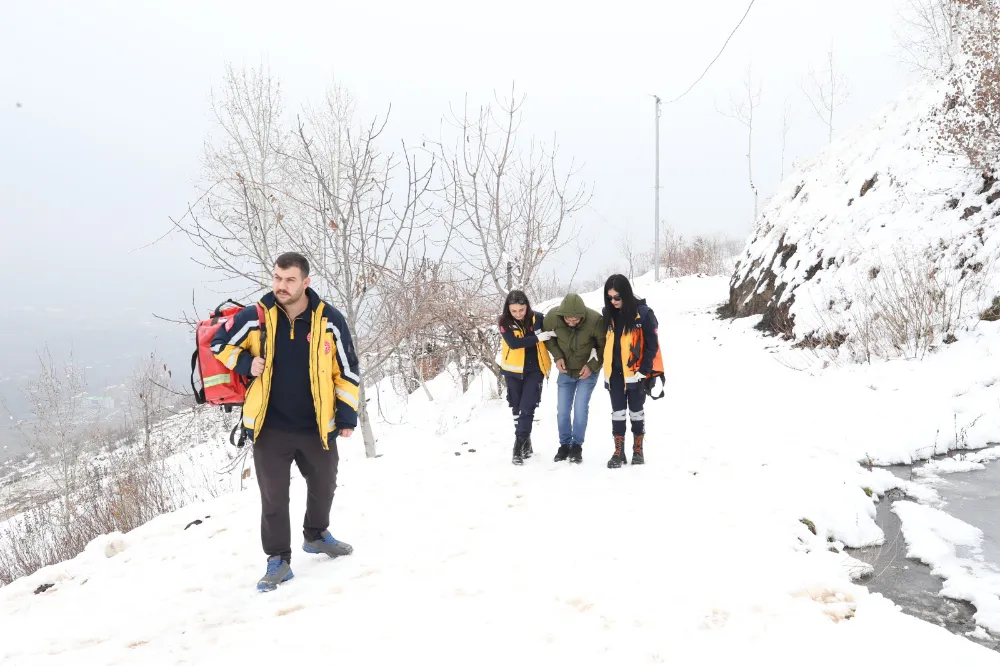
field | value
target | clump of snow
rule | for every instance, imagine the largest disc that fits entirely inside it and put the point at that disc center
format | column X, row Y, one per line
column 948, row 466
column 960, row 462
column 107, row 545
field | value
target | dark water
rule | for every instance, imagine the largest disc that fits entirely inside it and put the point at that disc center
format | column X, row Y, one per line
column 971, row 497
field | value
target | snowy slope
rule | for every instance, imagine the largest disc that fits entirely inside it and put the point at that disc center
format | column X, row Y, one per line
column 877, row 197
column 461, row 557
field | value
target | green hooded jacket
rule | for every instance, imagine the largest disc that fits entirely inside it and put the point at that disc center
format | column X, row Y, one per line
column 575, row 345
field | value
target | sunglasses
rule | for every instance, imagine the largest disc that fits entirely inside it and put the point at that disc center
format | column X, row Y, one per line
column 616, row 297
column 517, row 300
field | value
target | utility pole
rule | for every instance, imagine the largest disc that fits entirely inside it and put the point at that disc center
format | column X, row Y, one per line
column 656, row 211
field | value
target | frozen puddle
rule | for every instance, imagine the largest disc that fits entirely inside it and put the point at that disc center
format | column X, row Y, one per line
column 967, row 488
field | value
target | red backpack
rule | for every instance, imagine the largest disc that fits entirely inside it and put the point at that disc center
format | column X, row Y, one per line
column 219, row 385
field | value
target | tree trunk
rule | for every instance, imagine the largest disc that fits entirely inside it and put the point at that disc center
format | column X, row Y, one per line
column 420, row 377
column 366, row 426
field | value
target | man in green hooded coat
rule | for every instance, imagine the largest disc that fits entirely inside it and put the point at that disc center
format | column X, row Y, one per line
column 578, row 350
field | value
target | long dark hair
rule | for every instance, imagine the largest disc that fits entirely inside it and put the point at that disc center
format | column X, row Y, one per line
column 507, row 320
column 629, row 308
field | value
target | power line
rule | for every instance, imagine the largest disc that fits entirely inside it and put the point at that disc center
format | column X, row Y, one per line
column 698, row 80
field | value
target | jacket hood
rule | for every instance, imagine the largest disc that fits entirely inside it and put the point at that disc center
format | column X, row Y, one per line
column 572, row 306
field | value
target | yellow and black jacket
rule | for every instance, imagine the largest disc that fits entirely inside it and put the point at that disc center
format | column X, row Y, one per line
column 333, row 363
column 638, row 349
column 516, row 340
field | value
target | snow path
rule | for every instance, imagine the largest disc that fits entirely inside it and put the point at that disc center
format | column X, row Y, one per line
column 699, row 555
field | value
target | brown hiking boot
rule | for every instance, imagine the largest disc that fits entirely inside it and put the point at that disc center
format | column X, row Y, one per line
column 618, row 459
column 637, row 457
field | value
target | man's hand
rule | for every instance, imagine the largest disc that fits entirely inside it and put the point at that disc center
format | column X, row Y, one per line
column 561, row 365
column 585, row 372
column 257, row 367
column 346, row 432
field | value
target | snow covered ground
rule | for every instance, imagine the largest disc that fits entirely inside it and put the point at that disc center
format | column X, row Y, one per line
column 461, row 557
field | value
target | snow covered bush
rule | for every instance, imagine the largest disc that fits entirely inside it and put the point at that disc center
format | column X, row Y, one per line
column 904, row 307
column 970, row 124
column 116, row 491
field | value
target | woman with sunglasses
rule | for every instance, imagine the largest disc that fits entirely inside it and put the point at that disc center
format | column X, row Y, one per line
column 524, row 361
column 631, row 355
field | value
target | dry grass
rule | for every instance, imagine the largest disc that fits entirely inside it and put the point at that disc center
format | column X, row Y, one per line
column 905, row 309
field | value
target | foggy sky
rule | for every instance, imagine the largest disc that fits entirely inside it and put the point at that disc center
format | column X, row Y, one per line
column 107, row 140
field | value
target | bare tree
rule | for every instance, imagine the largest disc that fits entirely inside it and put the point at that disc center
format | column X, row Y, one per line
column 930, row 34
column 742, row 110
column 827, row 94
column 237, row 220
column 970, row 124
column 151, row 397
column 378, row 254
column 325, row 188
column 630, row 253
column 786, row 125
column 59, row 429
column 513, row 209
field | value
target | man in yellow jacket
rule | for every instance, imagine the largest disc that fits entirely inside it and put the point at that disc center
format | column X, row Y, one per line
column 304, row 393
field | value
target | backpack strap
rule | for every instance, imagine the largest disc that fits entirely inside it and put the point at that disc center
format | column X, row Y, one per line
column 199, row 394
column 242, row 440
column 260, row 322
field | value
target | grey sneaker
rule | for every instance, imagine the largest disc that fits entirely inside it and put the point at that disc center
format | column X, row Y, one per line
column 278, row 571
column 327, row 545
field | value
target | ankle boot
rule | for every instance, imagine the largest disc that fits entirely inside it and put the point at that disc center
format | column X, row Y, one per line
column 518, row 458
column 637, row 457
column 618, row 458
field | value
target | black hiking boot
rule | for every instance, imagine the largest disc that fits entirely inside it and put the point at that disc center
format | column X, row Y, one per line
column 562, row 453
column 637, row 457
column 618, row 458
column 526, row 450
column 518, row 458
column 576, row 454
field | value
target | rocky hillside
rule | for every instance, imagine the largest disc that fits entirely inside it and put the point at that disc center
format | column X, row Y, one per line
column 875, row 230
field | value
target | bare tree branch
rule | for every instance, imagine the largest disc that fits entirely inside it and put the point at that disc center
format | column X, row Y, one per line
column 828, row 93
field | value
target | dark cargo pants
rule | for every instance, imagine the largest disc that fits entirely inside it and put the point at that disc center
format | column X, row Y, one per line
column 273, row 453
column 626, row 402
column 523, row 395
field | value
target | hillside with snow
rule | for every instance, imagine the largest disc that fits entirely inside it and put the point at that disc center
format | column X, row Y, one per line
column 730, row 541
column 879, row 228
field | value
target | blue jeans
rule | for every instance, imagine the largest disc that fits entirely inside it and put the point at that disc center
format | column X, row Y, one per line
column 574, row 395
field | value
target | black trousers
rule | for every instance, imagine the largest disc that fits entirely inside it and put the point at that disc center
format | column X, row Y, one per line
column 523, row 395
column 628, row 402
column 273, row 453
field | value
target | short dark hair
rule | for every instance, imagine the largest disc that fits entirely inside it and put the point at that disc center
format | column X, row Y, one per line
column 289, row 259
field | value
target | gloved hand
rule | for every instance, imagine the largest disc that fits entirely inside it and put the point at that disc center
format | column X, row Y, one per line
column 545, row 335
column 639, row 376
